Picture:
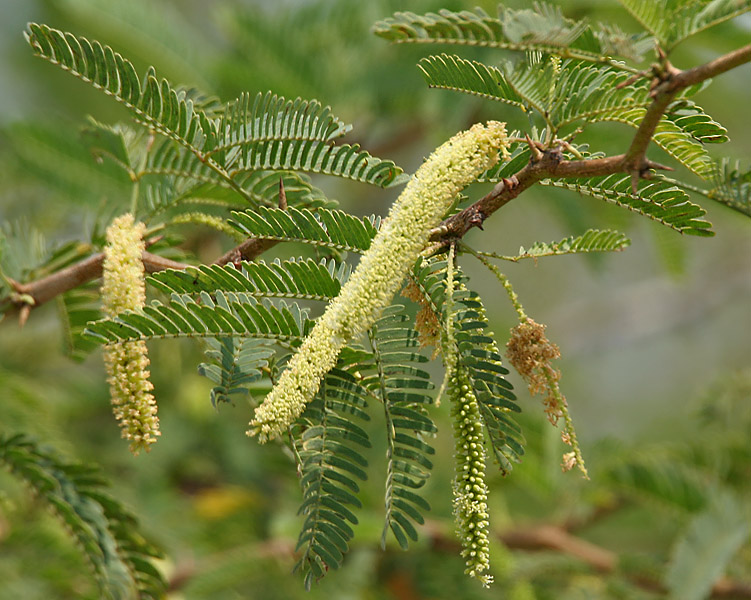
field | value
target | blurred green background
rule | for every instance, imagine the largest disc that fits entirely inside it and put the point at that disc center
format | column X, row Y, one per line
column 655, row 340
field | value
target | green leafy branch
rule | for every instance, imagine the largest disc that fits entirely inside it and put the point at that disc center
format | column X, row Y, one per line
column 107, row 534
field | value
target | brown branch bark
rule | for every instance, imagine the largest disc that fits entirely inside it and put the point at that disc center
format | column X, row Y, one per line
column 45, row 289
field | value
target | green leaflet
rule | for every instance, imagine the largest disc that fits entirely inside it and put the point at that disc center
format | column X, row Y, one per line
column 235, row 363
column 732, row 186
column 581, row 91
column 267, row 116
column 77, row 308
column 592, row 240
column 297, row 279
column 327, row 444
column 262, row 132
column 681, row 136
column 233, row 314
column 107, row 534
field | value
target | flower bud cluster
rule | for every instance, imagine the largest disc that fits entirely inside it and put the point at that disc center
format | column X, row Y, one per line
column 470, row 488
column 401, row 238
column 127, row 363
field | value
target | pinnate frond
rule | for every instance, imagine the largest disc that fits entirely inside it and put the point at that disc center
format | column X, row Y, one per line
column 235, row 363
column 313, row 156
column 570, row 92
column 661, row 481
column 592, row 240
column 267, row 133
column 540, row 28
column 231, row 315
column 328, row 444
column 682, row 135
column 271, row 117
column 404, row 390
column 732, row 186
column 107, row 534
column 451, row 72
column 703, row 552
column 77, row 307
column 656, row 200
column 152, row 101
column 671, row 22
column 327, row 228
column 296, row 279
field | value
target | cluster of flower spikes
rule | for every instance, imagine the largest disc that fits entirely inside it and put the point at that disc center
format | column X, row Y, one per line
column 127, row 363
column 401, row 238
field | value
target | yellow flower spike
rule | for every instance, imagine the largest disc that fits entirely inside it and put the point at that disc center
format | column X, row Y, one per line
column 127, row 363
column 403, row 235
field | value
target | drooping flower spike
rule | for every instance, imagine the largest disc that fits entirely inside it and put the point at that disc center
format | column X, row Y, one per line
column 127, row 363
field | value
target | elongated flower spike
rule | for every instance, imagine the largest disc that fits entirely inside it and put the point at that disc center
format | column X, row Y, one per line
column 401, row 238
column 127, row 363
column 470, row 487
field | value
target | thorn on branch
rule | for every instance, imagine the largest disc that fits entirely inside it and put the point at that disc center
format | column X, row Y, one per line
column 476, row 220
column 534, row 149
column 632, row 80
column 23, row 314
column 510, row 183
column 282, row 195
column 635, row 176
column 652, row 165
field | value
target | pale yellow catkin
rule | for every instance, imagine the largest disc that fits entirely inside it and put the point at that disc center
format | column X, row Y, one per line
column 127, row 363
column 401, row 238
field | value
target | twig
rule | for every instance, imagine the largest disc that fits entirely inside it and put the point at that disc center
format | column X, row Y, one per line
column 45, row 289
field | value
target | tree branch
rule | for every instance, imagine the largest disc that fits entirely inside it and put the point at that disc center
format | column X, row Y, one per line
column 45, row 289
column 668, row 81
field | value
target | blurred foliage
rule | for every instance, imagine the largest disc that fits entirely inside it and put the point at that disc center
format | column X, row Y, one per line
column 670, row 463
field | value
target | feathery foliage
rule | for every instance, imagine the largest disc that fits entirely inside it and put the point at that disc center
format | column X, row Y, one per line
column 269, row 133
column 541, row 28
column 656, row 200
column 732, row 186
column 107, row 534
column 479, row 355
column 325, row 228
column 296, row 279
column 592, row 240
column 233, row 314
column 330, row 462
column 235, row 363
column 403, row 388
column 673, row 22
column 703, row 552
